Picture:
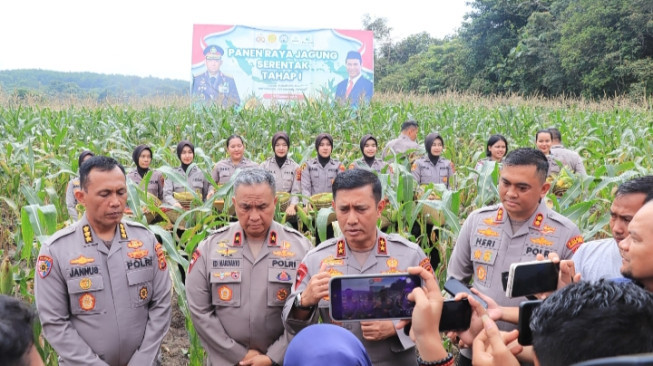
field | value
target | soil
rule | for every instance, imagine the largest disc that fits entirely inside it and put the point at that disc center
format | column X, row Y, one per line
column 175, row 346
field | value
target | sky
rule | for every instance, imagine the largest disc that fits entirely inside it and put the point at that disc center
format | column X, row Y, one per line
column 153, row 38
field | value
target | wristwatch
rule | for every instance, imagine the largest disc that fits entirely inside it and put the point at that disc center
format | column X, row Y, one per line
column 298, row 303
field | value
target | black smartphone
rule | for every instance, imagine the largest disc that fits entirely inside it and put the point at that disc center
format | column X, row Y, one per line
column 525, row 311
column 529, row 278
column 454, row 286
column 456, row 315
column 372, row 297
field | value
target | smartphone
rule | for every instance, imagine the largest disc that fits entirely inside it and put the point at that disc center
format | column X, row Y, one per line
column 454, row 286
column 525, row 311
column 372, row 297
column 529, row 278
column 456, row 315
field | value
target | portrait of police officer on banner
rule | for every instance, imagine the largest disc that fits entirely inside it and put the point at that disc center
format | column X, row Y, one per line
column 213, row 85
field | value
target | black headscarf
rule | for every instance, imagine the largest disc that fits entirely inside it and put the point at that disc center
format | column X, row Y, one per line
column 368, row 160
column 137, row 154
column 318, row 139
column 428, row 142
column 277, row 136
column 180, row 147
column 84, row 154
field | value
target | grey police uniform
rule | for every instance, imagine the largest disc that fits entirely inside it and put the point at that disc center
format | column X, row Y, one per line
column 219, row 88
column 235, row 299
column 569, row 158
column 400, row 145
column 100, row 305
column 554, row 168
column 196, row 180
column 317, row 179
column 286, row 177
column 377, row 165
column 486, row 246
column 225, row 168
column 71, row 201
column 392, row 254
column 155, row 185
column 426, row 172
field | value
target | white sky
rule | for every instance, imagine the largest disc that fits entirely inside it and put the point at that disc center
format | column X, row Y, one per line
column 153, row 38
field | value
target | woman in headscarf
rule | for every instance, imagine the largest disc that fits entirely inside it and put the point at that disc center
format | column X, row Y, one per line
column 495, row 150
column 284, row 170
column 225, row 168
column 73, row 185
column 194, row 175
column 433, row 168
column 142, row 157
column 317, row 174
column 369, row 147
column 336, row 346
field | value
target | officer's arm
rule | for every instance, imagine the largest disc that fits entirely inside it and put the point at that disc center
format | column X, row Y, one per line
column 51, row 295
column 295, row 319
column 574, row 241
column 306, row 183
column 71, row 201
column 460, row 265
column 159, row 187
column 415, row 170
column 167, row 193
column 159, row 312
column 580, row 168
column 207, row 324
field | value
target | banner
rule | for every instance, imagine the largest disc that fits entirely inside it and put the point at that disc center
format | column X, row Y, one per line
column 234, row 65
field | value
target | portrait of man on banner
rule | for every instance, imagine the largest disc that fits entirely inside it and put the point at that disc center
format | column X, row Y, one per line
column 355, row 88
column 213, row 86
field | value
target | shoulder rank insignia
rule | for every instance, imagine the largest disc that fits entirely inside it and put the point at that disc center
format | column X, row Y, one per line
column 273, row 238
column 382, row 247
column 238, row 239
column 341, row 251
column 81, row 260
column 537, row 222
column 88, row 237
column 123, row 233
column 44, row 265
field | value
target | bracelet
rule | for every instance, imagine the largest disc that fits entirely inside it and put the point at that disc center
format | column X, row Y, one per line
column 447, row 361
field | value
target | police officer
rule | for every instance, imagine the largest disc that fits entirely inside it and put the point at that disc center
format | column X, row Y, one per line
column 240, row 277
column 102, row 287
column 73, row 186
column 494, row 237
column 363, row 249
column 142, row 157
column 369, row 161
column 225, row 168
column 194, row 176
column 213, row 85
column 284, row 170
column 569, row 158
column 405, row 143
column 433, row 168
column 317, row 174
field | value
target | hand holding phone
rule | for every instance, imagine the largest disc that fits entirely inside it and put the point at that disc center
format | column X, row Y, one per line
column 454, row 286
column 456, row 315
column 530, row 278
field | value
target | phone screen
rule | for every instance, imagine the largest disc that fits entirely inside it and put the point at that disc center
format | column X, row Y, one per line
column 532, row 278
column 456, row 315
column 526, row 309
column 372, row 297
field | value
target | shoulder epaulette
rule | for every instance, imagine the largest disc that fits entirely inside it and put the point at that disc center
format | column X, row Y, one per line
column 60, row 234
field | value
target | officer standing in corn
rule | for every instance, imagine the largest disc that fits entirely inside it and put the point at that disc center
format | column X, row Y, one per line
column 213, row 85
column 317, row 175
column 102, row 287
column 433, row 168
column 239, row 278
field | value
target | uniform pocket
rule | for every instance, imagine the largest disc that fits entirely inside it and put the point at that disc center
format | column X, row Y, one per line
column 279, row 285
column 140, row 286
column 86, row 295
column 225, row 288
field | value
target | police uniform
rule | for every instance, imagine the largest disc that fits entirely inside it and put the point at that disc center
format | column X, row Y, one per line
column 225, row 168
column 286, row 177
column 235, row 299
column 400, row 145
column 569, row 158
column 392, row 254
column 196, row 180
column 100, row 305
column 486, row 246
column 71, row 201
column 554, row 168
column 426, row 172
column 155, row 185
column 220, row 88
column 377, row 165
column 317, row 179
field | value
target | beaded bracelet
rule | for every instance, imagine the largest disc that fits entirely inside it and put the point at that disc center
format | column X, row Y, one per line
column 447, row 361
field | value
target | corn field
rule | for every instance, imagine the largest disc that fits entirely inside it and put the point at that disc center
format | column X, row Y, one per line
column 40, row 146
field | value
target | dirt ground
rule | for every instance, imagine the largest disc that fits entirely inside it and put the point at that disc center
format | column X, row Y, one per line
column 176, row 343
